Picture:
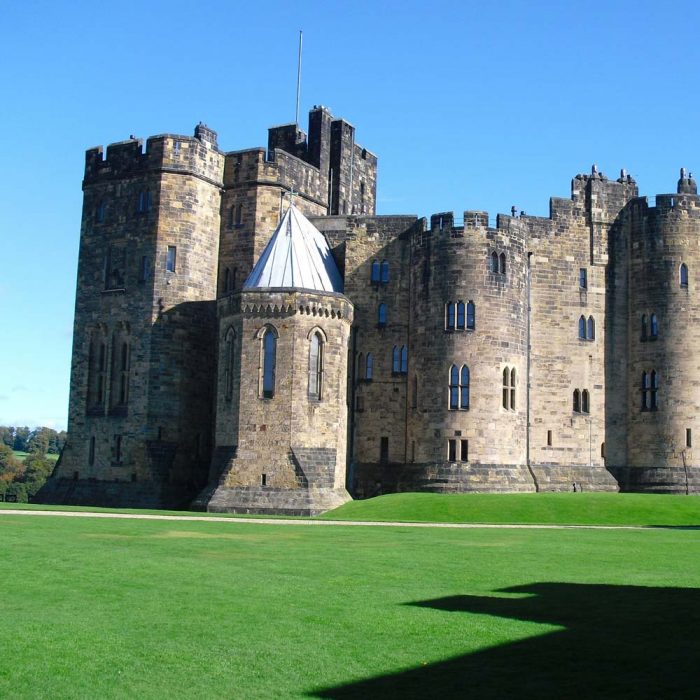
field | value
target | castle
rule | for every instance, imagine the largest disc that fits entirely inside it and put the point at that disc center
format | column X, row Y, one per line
column 251, row 337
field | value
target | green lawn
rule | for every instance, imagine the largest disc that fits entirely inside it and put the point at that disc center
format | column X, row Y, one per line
column 23, row 455
column 527, row 508
column 168, row 609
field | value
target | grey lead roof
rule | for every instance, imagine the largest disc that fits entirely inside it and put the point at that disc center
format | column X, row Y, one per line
column 297, row 256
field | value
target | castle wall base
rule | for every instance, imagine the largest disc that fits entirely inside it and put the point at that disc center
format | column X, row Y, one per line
column 674, row 480
column 555, row 477
column 371, row 480
column 113, row 494
column 263, row 500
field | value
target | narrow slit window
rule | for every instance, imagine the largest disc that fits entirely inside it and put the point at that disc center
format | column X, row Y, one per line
column 460, row 316
column 585, row 401
column 494, row 262
column 171, row 258
column 385, row 272
column 315, row 367
column 549, row 438
column 464, row 388
column 269, row 352
column 583, row 278
column 454, row 388
column 582, row 328
column 369, row 367
column 653, row 326
column 381, row 315
column 577, row 401
column 688, row 437
column 375, row 275
column 471, row 316
column 684, row 275
column 464, row 450
column 502, row 263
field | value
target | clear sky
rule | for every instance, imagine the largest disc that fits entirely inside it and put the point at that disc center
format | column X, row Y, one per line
column 469, row 105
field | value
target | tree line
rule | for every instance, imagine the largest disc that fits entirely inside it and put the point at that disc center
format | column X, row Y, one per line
column 20, row 479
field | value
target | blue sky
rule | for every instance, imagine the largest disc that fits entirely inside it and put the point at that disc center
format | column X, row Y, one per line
column 469, row 105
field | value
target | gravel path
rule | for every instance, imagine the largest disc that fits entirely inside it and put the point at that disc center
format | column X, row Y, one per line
column 282, row 521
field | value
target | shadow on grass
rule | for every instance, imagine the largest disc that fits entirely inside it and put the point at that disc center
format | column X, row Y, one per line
column 618, row 642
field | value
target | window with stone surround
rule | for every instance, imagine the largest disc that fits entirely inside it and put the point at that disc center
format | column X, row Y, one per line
column 452, row 450
column 494, row 262
column 399, row 359
column 683, row 275
column 268, row 358
column 581, row 402
column 316, row 342
column 583, row 278
column 502, row 264
column 508, row 399
column 464, row 450
column 171, row 259
column 459, row 388
column 650, row 388
column 586, row 328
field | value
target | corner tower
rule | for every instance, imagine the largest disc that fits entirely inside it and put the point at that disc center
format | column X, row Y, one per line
column 282, row 382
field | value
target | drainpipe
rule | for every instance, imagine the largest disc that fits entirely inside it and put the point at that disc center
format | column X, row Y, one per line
column 529, row 364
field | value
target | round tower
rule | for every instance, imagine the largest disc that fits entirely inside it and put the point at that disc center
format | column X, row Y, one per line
column 281, row 434
column 468, row 341
column 663, row 396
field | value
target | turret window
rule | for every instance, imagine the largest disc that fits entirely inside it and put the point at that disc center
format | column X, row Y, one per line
column 583, row 278
column 171, row 258
column 399, row 360
column 497, row 263
column 460, row 316
column 369, row 367
column 494, row 262
column 268, row 359
column 508, row 401
column 683, row 275
column 315, row 366
column 650, row 388
column 459, row 388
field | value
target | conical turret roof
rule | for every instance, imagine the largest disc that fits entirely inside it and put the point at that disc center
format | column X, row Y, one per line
column 298, row 256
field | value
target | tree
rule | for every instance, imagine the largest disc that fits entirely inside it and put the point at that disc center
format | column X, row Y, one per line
column 7, row 435
column 10, row 467
column 39, row 440
column 21, row 437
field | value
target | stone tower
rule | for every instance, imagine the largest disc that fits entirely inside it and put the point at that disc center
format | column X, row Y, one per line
column 281, row 409
column 141, row 394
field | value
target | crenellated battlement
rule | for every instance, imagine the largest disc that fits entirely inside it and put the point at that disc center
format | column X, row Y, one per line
column 198, row 154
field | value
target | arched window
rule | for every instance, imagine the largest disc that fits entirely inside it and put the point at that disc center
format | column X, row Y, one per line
column 577, row 401
column 385, row 272
column 471, row 316
column 315, row 366
column 454, row 388
column 396, row 359
column 509, row 388
column 591, row 328
column 585, row 402
column 404, row 359
column 502, row 263
column 464, row 387
column 229, row 358
column 494, row 262
column 375, row 277
column 450, row 316
column 582, row 328
column 653, row 326
column 369, row 367
column 268, row 359
column 460, row 315
column 381, row 315
column 644, row 326
column 684, row 275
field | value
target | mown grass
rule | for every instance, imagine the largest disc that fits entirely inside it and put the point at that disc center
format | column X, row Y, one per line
column 21, row 456
column 527, row 508
column 153, row 609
